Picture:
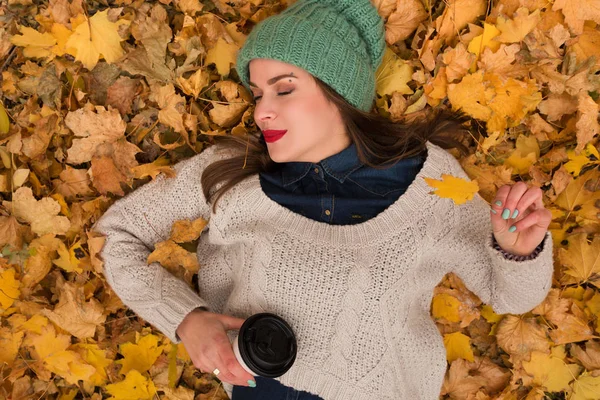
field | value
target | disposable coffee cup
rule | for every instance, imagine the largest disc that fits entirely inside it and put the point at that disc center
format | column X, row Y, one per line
column 265, row 346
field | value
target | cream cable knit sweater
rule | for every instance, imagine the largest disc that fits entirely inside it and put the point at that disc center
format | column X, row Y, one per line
column 357, row 296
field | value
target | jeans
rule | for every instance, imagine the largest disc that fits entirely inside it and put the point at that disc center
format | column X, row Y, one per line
column 270, row 389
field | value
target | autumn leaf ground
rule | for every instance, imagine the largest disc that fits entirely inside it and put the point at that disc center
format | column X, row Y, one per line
column 99, row 97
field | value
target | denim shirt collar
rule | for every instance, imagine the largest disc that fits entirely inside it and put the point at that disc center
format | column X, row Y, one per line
column 338, row 166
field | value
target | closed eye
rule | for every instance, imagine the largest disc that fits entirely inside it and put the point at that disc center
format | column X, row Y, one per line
column 279, row 94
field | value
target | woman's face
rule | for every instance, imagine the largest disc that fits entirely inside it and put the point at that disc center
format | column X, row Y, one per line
column 288, row 99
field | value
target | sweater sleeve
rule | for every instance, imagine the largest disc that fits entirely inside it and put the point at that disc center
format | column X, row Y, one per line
column 132, row 226
column 508, row 285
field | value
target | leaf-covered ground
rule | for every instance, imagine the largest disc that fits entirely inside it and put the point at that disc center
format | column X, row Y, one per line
column 99, row 97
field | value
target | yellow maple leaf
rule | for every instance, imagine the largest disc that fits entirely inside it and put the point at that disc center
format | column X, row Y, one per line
column 393, row 75
column 550, row 372
column 9, row 288
column 470, row 95
column 223, row 54
column 445, row 306
column 525, row 155
column 48, row 342
column 586, row 387
column 478, row 43
column 42, row 215
column 490, row 316
column 70, row 366
column 98, row 37
column 171, row 256
column 96, row 357
column 140, row 356
column 134, row 386
column 510, row 101
column 578, row 161
column 62, row 34
column 451, row 187
column 69, row 258
column 457, row 15
column 153, row 169
column 35, row 324
column 457, row 346
column 36, row 44
column 187, row 231
column 11, row 341
column 514, row 30
column 581, row 260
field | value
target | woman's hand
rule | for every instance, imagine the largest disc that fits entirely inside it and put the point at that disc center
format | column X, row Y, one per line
column 204, row 335
column 519, row 234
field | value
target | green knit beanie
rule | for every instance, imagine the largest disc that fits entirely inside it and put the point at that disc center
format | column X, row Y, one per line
column 340, row 42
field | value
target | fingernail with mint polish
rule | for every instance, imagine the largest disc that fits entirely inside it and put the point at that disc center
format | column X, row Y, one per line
column 498, row 203
column 515, row 213
column 494, row 211
column 512, row 228
column 251, row 383
column 505, row 213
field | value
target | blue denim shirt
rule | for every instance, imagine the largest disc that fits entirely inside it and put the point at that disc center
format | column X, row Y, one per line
column 339, row 190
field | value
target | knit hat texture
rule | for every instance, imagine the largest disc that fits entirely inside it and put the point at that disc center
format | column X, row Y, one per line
column 341, row 42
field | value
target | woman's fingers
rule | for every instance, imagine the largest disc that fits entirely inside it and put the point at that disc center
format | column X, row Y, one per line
column 507, row 199
column 239, row 375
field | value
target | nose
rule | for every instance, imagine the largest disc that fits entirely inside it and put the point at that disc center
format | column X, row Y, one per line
column 264, row 111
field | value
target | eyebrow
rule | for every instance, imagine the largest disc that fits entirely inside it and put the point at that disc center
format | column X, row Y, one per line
column 275, row 79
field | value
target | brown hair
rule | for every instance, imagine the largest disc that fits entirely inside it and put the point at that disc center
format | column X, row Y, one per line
column 380, row 143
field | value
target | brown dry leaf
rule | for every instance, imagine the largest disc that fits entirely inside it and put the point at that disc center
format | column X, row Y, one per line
column 557, row 105
column 465, row 378
column 39, row 264
column 226, row 115
column 106, row 176
column 404, row 20
column 519, row 336
column 95, row 128
column 74, row 314
column 172, row 106
column 458, row 61
column 570, row 326
column 73, row 182
column 121, row 94
column 13, row 233
column 385, row 7
column 588, row 355
column 36, row 144
column 587, row 45
column 587, row 120
column 576, row 12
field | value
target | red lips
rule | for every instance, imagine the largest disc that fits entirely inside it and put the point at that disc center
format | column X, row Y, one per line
column 273, row 135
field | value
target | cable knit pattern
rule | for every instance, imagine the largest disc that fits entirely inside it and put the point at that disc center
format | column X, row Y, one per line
column 357, row 296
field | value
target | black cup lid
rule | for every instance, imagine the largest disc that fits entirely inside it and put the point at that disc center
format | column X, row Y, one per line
column 267, row 345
